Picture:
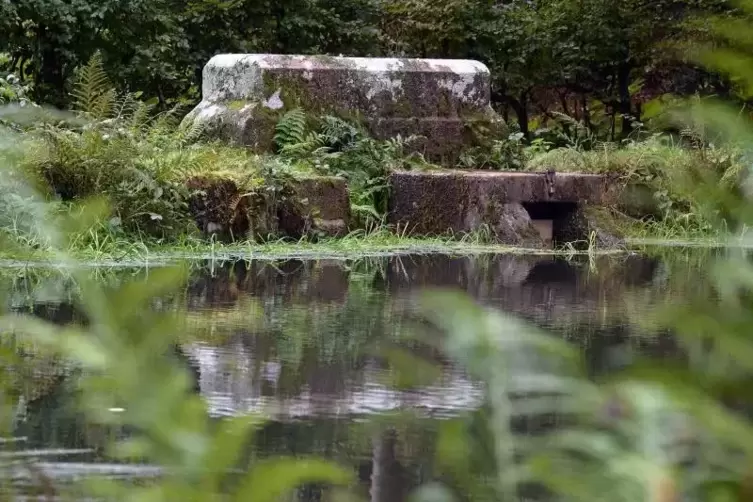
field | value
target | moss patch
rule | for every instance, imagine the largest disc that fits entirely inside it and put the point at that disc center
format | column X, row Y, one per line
column 219, row 208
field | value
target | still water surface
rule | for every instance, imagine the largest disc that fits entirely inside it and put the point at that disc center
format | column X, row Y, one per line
column 301, row 342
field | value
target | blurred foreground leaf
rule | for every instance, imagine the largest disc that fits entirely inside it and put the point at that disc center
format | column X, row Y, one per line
column 270, row 479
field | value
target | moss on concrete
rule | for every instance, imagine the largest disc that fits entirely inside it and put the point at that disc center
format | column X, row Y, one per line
column 219, row 208
column 433, row 203
column 403, row 96
column 305, row 206
column 239, row 104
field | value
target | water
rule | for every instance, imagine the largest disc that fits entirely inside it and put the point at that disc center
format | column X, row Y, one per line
column 302, row 341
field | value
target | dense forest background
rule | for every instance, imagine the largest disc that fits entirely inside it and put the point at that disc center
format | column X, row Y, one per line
column 603, row 62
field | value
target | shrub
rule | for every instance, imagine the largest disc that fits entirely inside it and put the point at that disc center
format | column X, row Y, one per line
column 507, row 154
column 336, row 147
column 12, row 90
column 139, row 161
column 656, row 169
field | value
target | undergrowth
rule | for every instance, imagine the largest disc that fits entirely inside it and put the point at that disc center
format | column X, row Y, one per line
column 119, row 148
column 657, row 179
column 332, row 146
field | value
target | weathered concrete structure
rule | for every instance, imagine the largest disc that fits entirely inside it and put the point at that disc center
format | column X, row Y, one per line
column 445, row 101
column 522, row 209
column 314, row 205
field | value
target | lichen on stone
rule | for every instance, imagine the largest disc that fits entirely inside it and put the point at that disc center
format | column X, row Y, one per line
column 429, row 98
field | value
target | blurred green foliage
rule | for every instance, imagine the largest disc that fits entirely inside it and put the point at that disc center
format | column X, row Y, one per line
column 123, row 353
column 655, row 431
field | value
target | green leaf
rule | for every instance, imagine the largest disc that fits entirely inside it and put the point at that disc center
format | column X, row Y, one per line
column 432, row 492
column 70, row 342
column 134, row 297
column 232, row 436
column 484, row 330
column 454, row 448
column 270, row 479
column 407, row 370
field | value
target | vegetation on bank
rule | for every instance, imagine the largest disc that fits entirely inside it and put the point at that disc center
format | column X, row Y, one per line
column 581, row 99
column 120, row 149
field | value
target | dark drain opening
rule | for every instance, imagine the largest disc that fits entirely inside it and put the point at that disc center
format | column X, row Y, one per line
column 551, row 219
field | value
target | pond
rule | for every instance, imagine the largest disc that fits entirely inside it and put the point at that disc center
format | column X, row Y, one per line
column 304, row 341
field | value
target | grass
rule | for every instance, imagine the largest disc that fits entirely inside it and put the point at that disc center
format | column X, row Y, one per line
column 662, row 177
column 111, row 250
column 654, row 155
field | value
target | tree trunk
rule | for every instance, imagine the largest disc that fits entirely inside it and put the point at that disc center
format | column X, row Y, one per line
column 282, row 41
column 565, row 107
column 50, row 86
column 387, row 483
column 586, row 114
column 520, row 107
column 445, row 48
column 625, row 100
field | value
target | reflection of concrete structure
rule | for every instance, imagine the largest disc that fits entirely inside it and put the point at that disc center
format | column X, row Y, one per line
column 315, row 385
column 541, row 288
column 244, row 374
column 231, row 386
column 387, row 476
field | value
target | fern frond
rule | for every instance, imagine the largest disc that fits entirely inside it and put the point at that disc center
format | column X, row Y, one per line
column 140, row 116
column 567, row 119
column 338, row 132
column 167, row 121
column 290, row 129
column 315, row 140
column 125, row 106
column 93, row 94
column 193, row 132
column 605, row 146
column 103, row 106
column 299, row 150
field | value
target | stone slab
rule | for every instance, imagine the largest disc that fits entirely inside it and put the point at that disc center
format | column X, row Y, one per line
column 437, row 202
column 315, row 206
column 446, row 101
column 322, row 208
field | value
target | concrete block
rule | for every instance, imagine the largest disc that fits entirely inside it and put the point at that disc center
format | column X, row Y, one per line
column 437, row 202
column 446, row 101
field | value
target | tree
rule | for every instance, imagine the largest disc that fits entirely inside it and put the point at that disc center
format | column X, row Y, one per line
column 604, row 48
column 160, row 46
column 541, row 53
column 48, row 39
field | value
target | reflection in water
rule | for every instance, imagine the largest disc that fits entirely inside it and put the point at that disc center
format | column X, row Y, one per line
column 302, row 341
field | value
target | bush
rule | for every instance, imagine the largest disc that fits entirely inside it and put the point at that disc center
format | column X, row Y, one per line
column 138, row 161
column 12, row 90
column 659, row 176
column 504, row 155
column 335, row 147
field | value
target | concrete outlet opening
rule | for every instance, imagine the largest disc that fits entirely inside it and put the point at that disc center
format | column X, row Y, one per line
column 550, row 218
